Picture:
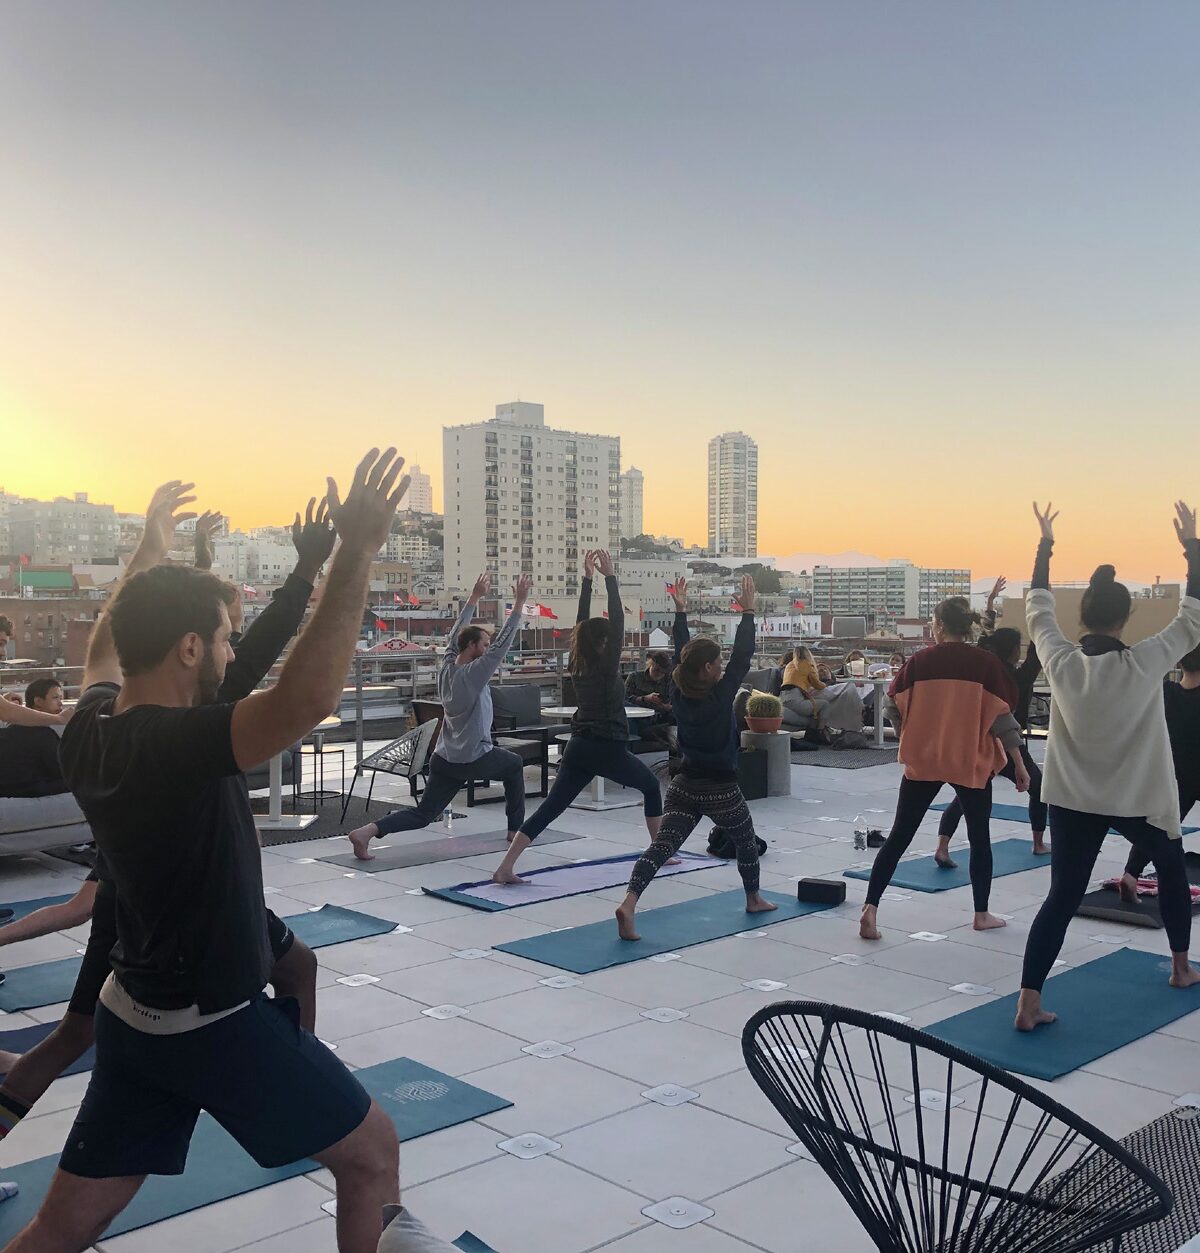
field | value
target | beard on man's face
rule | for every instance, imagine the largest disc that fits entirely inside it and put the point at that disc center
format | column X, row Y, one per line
column 208, row 683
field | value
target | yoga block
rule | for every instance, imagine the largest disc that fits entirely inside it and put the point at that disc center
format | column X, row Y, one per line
column 752, row 773
column 821, row 891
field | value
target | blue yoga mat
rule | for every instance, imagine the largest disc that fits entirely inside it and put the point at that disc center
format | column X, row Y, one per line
column 1020, row 813
column 472, row 1244
column 22, row 909
column 418, row 1099
column 49, row 983
column 923, row 874
column 1101, row 1006
column 23, row 1039
column 583, row 950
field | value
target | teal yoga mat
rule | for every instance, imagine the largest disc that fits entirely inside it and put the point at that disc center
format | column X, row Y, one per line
column 923, row 874
column 49, row 983
column 583, row 950
column 418, row 1099
column 1101, row 1006
column 1020, row 813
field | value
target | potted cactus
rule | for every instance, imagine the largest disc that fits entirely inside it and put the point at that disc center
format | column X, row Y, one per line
column 764, row 712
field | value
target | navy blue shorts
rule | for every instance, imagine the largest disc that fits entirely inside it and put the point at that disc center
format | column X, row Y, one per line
column 278, row 1091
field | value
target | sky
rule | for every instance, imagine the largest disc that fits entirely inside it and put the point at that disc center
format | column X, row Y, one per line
column 938, row 259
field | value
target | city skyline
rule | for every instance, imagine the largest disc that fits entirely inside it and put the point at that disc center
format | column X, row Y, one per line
column 937, row 265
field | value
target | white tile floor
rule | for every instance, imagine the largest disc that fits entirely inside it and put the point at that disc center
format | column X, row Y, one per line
column 620, row 1153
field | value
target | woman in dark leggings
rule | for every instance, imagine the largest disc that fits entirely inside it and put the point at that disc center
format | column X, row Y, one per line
column 702, row 692
column 599, row 743
column 1108, row 756
column 1006, row 644
column 955, row 703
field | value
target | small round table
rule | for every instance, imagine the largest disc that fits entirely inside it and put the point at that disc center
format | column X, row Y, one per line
column 596, row 801
column 276, row 819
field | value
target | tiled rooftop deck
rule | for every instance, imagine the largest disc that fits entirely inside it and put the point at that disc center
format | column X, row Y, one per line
column 621, row 1153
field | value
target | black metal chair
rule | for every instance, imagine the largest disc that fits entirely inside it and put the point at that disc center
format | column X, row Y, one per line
column 926, row 1169
column 517, row 722
column 406, row 756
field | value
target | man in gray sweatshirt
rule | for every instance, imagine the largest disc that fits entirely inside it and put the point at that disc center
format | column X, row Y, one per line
column 465, row 750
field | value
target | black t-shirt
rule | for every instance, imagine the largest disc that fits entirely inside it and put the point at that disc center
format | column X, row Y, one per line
column 171, row 818
column 1183, row 724
column 29, row 762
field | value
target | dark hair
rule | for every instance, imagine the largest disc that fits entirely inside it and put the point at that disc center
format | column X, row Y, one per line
column 39, row 688
column 661, row 659
column 1106, row 604
column 6, row 626
column 787, row 657
column 1191, row 662
column 1005, row 643
column 472, row 634
column 157, row 608
column 588, row 642
column 695, row 656
column 956, row 616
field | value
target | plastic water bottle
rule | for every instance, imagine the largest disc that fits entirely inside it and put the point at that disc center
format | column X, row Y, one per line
column 860, row 834
column 448, row 817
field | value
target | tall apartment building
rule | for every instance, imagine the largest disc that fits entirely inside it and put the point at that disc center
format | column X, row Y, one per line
column 882, row 594
column 733, row 495
column 419, row 497
column 7, row 501
column 519, row 495
column 631, row 503
column 63, row 532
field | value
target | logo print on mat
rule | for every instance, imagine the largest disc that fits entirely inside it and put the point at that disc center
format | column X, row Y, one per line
column 418, row 1090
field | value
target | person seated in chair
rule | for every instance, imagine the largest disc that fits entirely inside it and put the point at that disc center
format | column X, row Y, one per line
column 832, row 710
column 29, row 749
column 648, row 689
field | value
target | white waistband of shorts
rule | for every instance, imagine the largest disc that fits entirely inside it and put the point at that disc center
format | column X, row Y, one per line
column 151, row 1021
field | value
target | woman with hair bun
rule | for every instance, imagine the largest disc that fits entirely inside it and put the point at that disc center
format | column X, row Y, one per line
column 955, row 703
column 1108, row 756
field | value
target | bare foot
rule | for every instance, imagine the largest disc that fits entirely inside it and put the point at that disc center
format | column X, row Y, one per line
column 625, row 927
column 361, row 841
column 946, row 863
column 1027, row 1020
column 1185, row 977
column 509, row 837
column 1127, row 889
column 867, row 929
column 674, row 861
column 507, row 878
column 988, row 922
column 1040, row 847
column 756, row 905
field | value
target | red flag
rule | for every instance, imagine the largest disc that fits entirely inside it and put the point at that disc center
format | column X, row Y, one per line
column 25, row 559
column 412, row 600
column 736, row 606
column 396, row 599
column 797, row 604
column 670, row 589
column 641, row 613
column 380, row 625
column 557, row 632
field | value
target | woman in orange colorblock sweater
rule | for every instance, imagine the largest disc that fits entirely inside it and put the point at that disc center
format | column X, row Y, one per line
column 956, row 704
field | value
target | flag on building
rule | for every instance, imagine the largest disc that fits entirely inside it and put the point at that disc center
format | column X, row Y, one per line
column 397, row 599
column 798, row 604
column 250, row 593
column 380, row 625
column 412, row 600
column 736, row 607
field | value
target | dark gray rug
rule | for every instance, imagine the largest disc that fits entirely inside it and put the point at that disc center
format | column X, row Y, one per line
column 399, row 852
column 847, row 758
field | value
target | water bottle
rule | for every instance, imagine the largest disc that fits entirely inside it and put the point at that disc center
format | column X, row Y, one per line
column 448, row 817
column 860, row 834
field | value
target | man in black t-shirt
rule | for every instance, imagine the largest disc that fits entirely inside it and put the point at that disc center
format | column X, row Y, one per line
column 29, row 754
column 183, row 1025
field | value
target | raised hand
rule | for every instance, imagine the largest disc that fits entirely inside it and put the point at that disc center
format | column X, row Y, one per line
column 1046, row 520
column 679, row 595
column 483, row 585
column 746, row 599
column 1001, row 584
column 1185, row 522
column 364, row 519
column 163, row 515
column 206, row 526
column 604, row 562
column 314, row 538
column 521, row 588
column 589, row 564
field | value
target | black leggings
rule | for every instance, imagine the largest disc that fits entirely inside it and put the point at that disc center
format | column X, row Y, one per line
column 586, row 757
column 1075, row 840
column 689, row 800
column 916, row 795
column 446, row 778
column 1139, row 859
column 1037, row 807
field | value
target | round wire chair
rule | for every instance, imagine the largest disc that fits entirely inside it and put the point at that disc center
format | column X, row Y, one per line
column 938, row 1151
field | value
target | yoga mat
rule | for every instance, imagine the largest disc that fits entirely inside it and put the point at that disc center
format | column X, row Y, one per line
column 469, row 1243
column 584, row 950
column 22, row 1039
column 418, row 1099
column 22, row 909
column 49, row 983
column 555, row 882
column 1101, row 1006
column 1106, row 903
column 402, row 855
column 923, row 874
column 1020, row 813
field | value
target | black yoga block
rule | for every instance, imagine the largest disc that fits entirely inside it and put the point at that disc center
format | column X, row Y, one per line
column 752, row 773
column 822, row 891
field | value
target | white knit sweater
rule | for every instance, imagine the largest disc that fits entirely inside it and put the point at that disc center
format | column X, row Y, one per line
column 1108, row 751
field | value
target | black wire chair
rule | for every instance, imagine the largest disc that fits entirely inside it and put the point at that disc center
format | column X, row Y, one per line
column 937, row 1151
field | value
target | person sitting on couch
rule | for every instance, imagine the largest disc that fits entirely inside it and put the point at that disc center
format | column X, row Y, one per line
column 29, row 748
column 833, row 709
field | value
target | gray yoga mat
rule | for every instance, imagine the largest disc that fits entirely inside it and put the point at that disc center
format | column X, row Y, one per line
column 393, row 852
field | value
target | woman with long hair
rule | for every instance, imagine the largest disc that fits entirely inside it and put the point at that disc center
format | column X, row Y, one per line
column 706, row 786
column 1108, row 755
column 834, row 709
column 1005, row 642
column 599, row 743
column 955, row 705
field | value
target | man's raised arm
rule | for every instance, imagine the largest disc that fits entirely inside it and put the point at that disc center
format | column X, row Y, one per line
column 310, row 684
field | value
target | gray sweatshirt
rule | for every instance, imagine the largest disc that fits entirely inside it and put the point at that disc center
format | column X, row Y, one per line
column 463, row 690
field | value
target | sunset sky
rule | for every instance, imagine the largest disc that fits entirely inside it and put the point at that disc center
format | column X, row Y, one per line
column 937, row 258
